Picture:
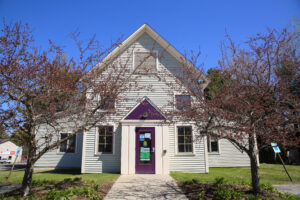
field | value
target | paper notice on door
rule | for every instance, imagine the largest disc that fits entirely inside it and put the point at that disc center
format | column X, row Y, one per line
column 142, row 137
column 148, row 135
column 144, row 154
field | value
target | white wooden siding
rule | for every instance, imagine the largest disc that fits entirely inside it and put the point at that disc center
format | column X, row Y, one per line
column 190, row 163
column 101, row 163
column 229, row 156
column 54, row 159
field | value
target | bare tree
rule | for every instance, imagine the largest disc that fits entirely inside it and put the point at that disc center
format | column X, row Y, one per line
column 43, row 93
column 248, row 99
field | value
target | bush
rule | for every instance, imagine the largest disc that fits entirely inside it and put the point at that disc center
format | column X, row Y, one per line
column 227, row 193
column 66, row 194
column 219, row 181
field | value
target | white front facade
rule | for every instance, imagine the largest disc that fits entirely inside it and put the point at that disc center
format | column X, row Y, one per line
column 122, row 159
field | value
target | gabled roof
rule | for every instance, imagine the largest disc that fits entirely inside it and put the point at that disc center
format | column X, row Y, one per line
column 3, row 140
column 145, row 28
column 145, row 110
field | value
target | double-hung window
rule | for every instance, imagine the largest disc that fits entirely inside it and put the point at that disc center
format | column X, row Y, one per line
column 69, row 145
column 105, row 139
column 212, row 145
column 185, row 139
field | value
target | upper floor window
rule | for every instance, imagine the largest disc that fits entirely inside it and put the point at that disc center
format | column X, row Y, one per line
column 183, row 102
column 107, row 103
column 212, row 145
column 69, row 145
column 185, row 139
column 105, row 139
column 145, row 62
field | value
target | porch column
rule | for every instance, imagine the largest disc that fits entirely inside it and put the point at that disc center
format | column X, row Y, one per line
column 124, row 149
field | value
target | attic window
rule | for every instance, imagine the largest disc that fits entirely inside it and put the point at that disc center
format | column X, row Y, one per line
column 145, row 62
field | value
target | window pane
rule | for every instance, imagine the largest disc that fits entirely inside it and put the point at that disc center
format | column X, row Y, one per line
column 107, row 103
column 214, row 147
column 181, row 148
column 180, row 139
column 145, row 62
column 109, row 139
column 105, row 148
column 188, row 148
column 183, row 102
column 180, row 130
column 187, row 139
column 188, row 130
column 63, row 145
column 72, row 144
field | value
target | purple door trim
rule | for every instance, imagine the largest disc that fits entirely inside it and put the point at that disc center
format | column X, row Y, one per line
column 144, row 168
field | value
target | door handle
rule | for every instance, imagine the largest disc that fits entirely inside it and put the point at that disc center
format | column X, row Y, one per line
column 153, row 149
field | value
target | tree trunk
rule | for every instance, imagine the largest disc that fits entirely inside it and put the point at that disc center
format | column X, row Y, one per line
column 254, row 167
column 27, row 179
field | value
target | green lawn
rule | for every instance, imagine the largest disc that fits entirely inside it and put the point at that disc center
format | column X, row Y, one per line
column 268, row 173
column 42, row 175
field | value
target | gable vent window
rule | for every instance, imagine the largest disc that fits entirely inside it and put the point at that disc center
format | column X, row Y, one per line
column 145, row 62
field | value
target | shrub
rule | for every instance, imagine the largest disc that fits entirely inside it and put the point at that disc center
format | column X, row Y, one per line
column 223, row 193
column 219, row 181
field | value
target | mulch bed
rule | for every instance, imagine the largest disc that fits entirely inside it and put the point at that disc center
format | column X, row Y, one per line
column 192, row 189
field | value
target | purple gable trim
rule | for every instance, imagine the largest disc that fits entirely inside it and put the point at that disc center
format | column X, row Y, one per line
column 145, row 111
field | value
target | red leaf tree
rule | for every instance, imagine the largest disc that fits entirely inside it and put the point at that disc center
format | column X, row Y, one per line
column 248, row 96
column 49, row 90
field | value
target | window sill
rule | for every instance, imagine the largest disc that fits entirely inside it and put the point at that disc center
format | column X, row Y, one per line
column 213, row 153
column 104, row 154
column 185, row 154
column 62, row 153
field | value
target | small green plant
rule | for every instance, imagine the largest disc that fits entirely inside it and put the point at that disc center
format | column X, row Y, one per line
column 219, row 181
column 201, row 194
column 223, row 193
column 268, row 187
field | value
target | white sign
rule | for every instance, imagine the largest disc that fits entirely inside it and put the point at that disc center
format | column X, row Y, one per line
column 275, row 147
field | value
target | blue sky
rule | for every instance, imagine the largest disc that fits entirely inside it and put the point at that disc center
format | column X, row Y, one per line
column 185, row 24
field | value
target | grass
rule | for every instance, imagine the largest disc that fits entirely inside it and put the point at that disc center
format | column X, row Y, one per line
column 269, row 173
column 56, row 176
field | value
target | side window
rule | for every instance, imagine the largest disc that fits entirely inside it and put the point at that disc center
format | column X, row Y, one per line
column 107, row 103
column 145, row 62
column 185, row 139
column 212, row 145
column 105, row 139
column 69, row 145
column 183, row 102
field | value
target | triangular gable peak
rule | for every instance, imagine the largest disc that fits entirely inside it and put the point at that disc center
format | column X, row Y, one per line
column 145, row 110
column 145, row 28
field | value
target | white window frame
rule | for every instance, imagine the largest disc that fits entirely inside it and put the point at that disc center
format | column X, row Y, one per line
column 176, row 140
column 75, row 151
column 97, row 141
column 145, row 51
column 184, row 94
column 209, row 147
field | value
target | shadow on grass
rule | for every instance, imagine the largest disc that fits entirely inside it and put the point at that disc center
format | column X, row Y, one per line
column 73, row 171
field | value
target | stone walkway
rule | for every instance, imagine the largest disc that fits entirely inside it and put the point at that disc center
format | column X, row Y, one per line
column 8, row 188
column 293, row 189
column 145, row 187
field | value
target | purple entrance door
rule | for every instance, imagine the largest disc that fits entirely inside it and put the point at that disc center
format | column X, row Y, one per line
column 145, row 151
